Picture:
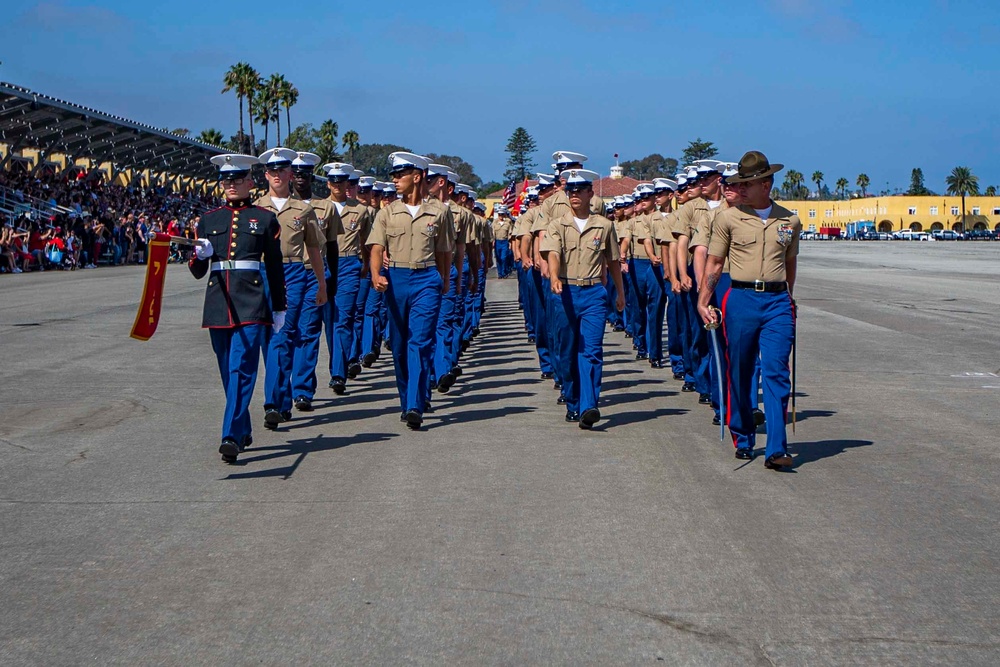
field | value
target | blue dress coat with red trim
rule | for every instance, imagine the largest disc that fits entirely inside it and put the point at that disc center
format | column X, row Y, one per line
column 241, row 231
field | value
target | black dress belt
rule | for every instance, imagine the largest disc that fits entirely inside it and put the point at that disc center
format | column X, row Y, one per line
column 761, row 286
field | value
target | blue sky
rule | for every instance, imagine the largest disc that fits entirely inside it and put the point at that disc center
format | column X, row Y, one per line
column 843, row 87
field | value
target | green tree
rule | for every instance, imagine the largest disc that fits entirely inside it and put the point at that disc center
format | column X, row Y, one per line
column 991, row 191
column 289, row 96
column 181, row 132
column 699, row 150
column 264, row 111
column 210, row 136
column 465, row 171
column 350, row 142
column 302, row 138
column 917, row 187
column 817, row 178
column 275, row 84
column 326, row 140
column 486, row 189
column 842, row 187
column 373, row 159
column 863, row 183
column 792, row 187
column 244, row 80
column 650, row 167
column 961, row 182
column 520, row 148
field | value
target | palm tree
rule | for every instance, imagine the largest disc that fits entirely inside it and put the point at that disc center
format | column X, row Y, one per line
column 817, row 178
column 289, row 96
column 211, row 136
column 264, row 106
column 245, row 80
column 274, row 85
column 350, row 142
column 793, row 183
column 842, row 186
column 326, row 147
column 961, row 182
column 863, row 183
column 991, row 191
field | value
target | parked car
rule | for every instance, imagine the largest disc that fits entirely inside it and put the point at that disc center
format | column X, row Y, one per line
column 980, row 235
column 909, row 235
column 946, row 235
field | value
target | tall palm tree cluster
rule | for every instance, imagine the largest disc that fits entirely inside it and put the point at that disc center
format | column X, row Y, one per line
column 265, row 99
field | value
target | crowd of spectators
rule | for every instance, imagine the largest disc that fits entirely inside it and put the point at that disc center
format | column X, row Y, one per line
column 74, row 219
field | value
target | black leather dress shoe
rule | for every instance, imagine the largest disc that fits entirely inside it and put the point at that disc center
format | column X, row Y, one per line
column 688, row 387
column 758, row 417
column 572, row 416
column 778, row 461
column 641, row 356
column 716, row 421
column 287, row 415
column 475, row 331
column 445, row 383
column 531, row 339
column 272, row 418
column 338, row 385
column 561, row 400
column 303, row 404
column 657, row 363
column 618, row 328
column 414, row 419
column 247, row 441
column 704, row 399
column 589, row 418
column 679, row 376
column 546, row 376
column 744, row 453
column 229, row 450
column 369, row 359
column 628, row 335
column 557, row 385
column 353, row 370
column 457, row 370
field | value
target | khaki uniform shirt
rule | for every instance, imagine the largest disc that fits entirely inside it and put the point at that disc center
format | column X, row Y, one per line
column 413, row 240
column 642, row 230
column 689, row 217
column 299, row 226
column 356, row 221
column 757, row 249
column 703, row 235
column 464, row 225
column 501, row 229
column 524, row 221
column 583, row 254
column 664, row 228
column 328, row 219
column 623, row 229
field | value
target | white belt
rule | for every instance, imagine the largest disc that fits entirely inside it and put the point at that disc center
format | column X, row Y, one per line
column 237, row 264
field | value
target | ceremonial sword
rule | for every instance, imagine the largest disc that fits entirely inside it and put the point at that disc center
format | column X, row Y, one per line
column 713, row 328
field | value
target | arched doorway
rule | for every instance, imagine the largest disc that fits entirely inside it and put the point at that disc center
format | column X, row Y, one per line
column 916, row 227
column 980, row 226
column 885, row 226
column 997, row 228
column 957, row 226
column 937, row 226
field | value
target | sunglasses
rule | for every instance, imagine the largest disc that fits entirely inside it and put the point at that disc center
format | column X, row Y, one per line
column 577, row 188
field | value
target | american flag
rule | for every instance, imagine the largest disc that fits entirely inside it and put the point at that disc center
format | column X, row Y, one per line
column 509, row 197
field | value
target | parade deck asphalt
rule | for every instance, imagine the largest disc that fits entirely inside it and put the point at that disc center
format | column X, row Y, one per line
column 501, row 534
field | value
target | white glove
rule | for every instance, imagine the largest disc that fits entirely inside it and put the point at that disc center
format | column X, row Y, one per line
column 204, row 249
column 279, row 321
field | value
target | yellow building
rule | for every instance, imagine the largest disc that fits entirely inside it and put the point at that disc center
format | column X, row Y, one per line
column 892, row 214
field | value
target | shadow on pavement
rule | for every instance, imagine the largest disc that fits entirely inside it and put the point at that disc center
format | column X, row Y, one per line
column 299, row 449
column 808, row 452
column 625, row 418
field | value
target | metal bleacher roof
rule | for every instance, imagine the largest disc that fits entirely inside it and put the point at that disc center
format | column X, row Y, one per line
column 32, row 120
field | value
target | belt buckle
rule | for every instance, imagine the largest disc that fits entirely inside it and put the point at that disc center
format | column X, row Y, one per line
column 758, row 285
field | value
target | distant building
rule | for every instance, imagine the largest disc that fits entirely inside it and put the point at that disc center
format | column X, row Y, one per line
column 891, row 214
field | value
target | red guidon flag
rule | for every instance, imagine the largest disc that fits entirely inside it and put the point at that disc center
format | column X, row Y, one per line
column 519, row 204
column 152, row 292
